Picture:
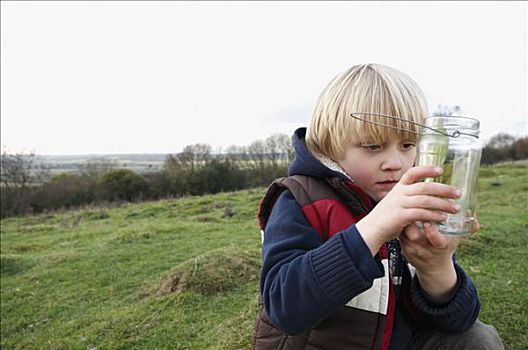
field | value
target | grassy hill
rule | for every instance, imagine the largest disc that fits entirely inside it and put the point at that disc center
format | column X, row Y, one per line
column 183, row 273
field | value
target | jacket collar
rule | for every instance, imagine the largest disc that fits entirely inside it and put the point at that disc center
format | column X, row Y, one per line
column 305, row 163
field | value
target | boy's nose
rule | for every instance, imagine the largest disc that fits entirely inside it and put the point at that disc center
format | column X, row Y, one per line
column 393, row 162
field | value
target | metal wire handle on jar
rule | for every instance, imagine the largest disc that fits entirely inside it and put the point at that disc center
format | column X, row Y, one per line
column 455, row 133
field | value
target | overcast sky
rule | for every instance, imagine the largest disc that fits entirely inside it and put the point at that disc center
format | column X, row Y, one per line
column 152, row 77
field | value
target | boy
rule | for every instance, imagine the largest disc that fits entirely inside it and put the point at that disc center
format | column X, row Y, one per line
column 344, row 264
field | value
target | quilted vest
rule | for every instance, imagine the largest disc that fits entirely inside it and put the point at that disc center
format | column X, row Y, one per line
column 365, row 322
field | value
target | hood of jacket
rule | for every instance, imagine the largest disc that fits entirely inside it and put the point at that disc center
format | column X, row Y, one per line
column 305, row 163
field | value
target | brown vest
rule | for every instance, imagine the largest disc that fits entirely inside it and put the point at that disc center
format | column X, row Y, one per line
column 349, row 327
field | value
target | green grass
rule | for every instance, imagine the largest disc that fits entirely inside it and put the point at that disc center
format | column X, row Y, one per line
column 496, row 257
column 183, row 273
column 102, row 277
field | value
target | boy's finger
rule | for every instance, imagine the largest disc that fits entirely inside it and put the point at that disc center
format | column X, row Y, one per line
column 433, row 189
column 434, row 237
column 434, row 202
column 476, row 225
column 417, row 173
column 413, row 232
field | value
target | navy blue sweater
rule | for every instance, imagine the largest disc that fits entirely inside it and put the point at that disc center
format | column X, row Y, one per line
column 305, row 279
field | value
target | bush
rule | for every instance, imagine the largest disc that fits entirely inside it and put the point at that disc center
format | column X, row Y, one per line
column 217, row 176
column 503, row 147
column 123, row 184
column 16, row 201
column 65, row 190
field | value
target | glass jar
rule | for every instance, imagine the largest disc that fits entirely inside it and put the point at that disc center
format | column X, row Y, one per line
column 451, row 142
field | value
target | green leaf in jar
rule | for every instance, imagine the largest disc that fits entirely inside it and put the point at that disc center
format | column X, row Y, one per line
column 437, row 151
column 445, row 178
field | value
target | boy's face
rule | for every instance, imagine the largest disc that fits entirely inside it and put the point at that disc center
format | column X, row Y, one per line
column 376, row 168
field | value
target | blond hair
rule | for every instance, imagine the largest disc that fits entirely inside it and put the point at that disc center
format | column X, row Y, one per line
column 372, row 88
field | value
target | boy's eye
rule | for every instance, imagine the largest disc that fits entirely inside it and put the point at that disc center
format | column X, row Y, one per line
column 408, row 145
column 373, row 147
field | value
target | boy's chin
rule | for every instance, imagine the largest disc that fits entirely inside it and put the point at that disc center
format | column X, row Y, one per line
column 380, row 191
column 378, row 196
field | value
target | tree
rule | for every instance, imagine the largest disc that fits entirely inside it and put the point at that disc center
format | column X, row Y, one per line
column 502, row 144
column 173, row 175
column 503, row 147
column 257, row 154
column 501, row 141
column 65, row 190
column 272, row 149
column 173, row 164
column 218, row 176
column 520, row 148
column 19, row 175
column 123, row 184
column 285, row 146
column 238, row 155
column 195, row 156
column 279, row 149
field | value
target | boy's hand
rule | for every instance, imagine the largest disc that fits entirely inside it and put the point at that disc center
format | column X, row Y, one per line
column 428, row 250
column 431, row 253
column 409, row 201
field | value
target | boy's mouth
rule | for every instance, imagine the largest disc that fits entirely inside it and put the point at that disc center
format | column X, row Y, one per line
column 387, row 184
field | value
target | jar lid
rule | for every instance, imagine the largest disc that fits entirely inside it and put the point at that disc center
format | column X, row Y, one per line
column 452, row 125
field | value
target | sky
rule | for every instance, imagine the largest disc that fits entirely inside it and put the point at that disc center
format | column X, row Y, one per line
column 101, row 77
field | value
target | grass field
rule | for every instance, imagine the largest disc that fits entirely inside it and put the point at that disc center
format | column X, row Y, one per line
column 183, row 273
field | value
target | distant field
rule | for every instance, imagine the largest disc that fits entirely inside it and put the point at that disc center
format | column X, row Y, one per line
column 140, row 163
column 183, row 273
